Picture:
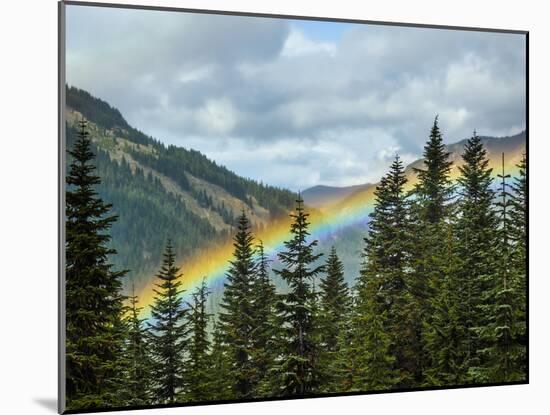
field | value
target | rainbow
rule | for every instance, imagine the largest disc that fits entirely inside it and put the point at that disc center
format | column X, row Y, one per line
column 211, row 263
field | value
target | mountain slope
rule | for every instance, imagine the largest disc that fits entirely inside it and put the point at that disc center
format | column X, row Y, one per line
column 321, row 196
column 162, row 192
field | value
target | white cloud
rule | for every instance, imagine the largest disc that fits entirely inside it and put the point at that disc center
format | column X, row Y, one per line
column 270, row 100
column 195, row 74
column 297, row 44
column 218, row 116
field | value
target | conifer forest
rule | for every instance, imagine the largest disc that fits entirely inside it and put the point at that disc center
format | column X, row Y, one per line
column 258, row 207
column 439, row 300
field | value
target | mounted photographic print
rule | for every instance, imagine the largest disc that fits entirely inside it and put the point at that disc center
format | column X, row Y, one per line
column 258, row 207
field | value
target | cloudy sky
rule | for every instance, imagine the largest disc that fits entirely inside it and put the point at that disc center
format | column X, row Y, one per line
column 296, row 103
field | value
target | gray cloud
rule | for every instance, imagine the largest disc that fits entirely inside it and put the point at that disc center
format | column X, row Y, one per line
column 274, row 103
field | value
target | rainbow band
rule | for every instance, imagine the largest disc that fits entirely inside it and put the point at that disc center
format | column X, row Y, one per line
column 211, row 263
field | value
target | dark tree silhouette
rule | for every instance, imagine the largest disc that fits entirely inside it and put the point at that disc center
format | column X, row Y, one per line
column 297, row 367
column 236, row 315
column 94, row 303
column 169, row 331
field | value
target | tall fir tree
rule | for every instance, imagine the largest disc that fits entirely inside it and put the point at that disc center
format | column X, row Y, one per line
column 94, row 303
column 297, row 366
column 335, row 305
column 518, row 241
column 504, row 355
column 138, row 357
column 264, row 297
column 169, row 330
column 433, row 204
column 237, row 310
column 350, row 345
column 383, row 283
column 434, row 188
column 518, row 222
column 476, row 229
column 198, row 370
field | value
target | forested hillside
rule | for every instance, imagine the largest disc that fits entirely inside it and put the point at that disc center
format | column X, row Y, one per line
column 439, row 300
column 336, row 200
column 160, row 191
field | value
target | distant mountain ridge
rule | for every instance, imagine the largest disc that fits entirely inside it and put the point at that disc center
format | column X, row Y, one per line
column 321, row 196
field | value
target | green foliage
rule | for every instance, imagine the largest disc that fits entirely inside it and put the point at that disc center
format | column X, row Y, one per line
column 170, row 159
column 375, row 362
column 101, row 113
column 476, row 227
column 445, row 336
column 94, row 304
column 335, row 305
column 169, row 166
column 432, row 206
column 138, row 360
column 440, row 299
column 296, row 367
column 237, row 315
column 148, row 212
column 147, row 215
column 221, row 385
column 263, row 300
column 199, row 375
column 503, row 334
column 434, row 188
column 518, row 255
column 350, row 345
column 383, row 284
column 518, row 220
column 169, row 331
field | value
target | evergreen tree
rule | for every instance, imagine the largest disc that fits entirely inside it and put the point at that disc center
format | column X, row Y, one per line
column 94, row 304
column 148, row 209
column 297, row 366
column 375, row 363
column 350, row 345
column 434, row 188
column 264, row 297
column 477, row 232
column 198, row 371
column 334, row 315
column 220, row 373
column 237, row 315
column 432, row 205
column 518, row 221
column 169, row 330
column 387, row 268
column 504, row 355
column 138, row 358
column 518, row 258
column 444, row 336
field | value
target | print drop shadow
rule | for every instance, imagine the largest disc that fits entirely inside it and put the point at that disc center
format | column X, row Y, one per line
column 48, row 403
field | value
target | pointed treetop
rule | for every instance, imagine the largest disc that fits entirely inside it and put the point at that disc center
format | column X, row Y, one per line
column 299, row 200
